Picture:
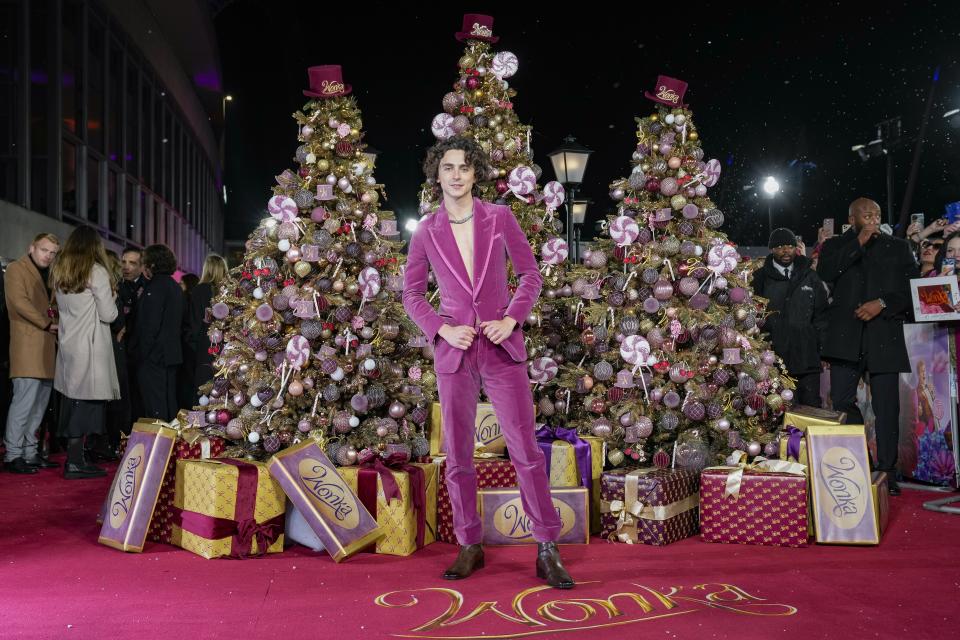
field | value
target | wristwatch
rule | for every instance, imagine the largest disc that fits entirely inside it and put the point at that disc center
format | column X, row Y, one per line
column 883, row 305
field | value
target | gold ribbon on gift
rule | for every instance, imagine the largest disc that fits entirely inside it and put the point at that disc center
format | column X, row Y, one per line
column 631, row 510
column 759, row 465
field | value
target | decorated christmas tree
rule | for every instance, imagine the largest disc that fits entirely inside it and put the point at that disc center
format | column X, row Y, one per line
column 694, row 380
column 310, row 336
column 481, row 107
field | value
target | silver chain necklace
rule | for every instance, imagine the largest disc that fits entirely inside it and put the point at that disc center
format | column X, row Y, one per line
column 461, row 220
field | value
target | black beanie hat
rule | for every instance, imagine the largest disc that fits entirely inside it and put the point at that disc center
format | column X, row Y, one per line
column 781, row 238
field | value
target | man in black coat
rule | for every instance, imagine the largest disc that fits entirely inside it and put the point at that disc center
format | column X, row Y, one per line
column 797, row 306
column 870, row 275
column 156, row 334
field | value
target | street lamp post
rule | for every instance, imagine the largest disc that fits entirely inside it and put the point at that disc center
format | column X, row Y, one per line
column 578, row 215
column 569, row 164
column 771, row 187
column 887, row 140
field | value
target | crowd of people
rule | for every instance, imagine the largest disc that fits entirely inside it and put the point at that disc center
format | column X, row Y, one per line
column 111, row 338
column 843, row 310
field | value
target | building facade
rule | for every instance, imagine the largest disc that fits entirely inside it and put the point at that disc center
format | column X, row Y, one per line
column 111, row 113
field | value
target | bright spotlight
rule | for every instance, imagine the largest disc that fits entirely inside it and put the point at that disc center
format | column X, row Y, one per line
column 771, row 186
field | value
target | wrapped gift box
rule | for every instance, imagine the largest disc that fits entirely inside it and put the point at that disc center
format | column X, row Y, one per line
column 763, row 507
column 132, row 499
column 404, row 505
column 504, row 521
column 324, row 499
column 488, row 438
column 491, row 474
column 190, row 444
column 227, row 507
column 803, row 416
column 844, row 511
column 649, row 506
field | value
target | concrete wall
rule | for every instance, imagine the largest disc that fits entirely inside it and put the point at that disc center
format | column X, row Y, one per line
column 19, row 226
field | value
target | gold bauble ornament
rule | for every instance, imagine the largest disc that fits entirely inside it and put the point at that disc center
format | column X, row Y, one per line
column 353, row 288
column 428, row 379
column 654, row 118
column 323, row 165
column 467, row 62
column 693, row 135
column 354, row 132
column 302, row 269
column 502, row 173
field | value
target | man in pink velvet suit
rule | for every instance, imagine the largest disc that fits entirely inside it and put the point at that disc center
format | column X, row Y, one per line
column 478, row 343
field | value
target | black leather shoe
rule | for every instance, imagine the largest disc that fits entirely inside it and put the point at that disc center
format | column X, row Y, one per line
column 893, row 488
column 468, row 560
column 78, row 472
column 550, row 568
column 42, row 463
column 19, row 465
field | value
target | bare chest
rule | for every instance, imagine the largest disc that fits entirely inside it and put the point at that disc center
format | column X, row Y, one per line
column 463, row 234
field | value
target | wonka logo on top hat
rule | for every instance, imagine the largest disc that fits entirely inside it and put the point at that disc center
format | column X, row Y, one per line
column 326, row 81
column 477, row 26
column 669, row 91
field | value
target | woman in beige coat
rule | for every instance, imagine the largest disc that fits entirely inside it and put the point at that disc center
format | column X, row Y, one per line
column 86, row 374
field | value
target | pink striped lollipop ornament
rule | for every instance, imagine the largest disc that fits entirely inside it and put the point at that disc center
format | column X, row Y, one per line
column 282, row 208
column 369, row 281
column 712, row 172
column 522, row 180
column 722, row 258
column 442, row 126
column 298, row 352
column 553, row 195
column 635, row 349
column 543, row 370
column 504, row 65
column 624, row 230
column 554, row 251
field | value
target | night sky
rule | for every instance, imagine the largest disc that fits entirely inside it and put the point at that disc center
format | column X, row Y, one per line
column 779, row 90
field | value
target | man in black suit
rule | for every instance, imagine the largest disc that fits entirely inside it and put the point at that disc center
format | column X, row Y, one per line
column 156, row 335
column 870, row 275
column 129, row 292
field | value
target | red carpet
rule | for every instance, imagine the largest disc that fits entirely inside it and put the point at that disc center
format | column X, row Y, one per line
column 57, row 582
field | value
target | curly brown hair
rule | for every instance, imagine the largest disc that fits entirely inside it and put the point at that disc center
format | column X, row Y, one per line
column 472, row 152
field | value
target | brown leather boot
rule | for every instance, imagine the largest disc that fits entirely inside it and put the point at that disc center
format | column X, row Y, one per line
column 550, row 568
column 468, row 560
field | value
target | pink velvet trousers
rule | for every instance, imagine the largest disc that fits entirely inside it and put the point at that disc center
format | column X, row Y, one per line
column 505, row 381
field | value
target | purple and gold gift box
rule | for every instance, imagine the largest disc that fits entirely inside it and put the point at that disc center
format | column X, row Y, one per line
column 793, row 444
column 754, row 506
column 844, row 509
column 133, row 494
column 227, row 508
column 574, row 461
column 504, row 521
column 495, row 473
column 402, row 497
column 649, row 506
column 488, row 439
column 190, row 444
column 325, row 500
